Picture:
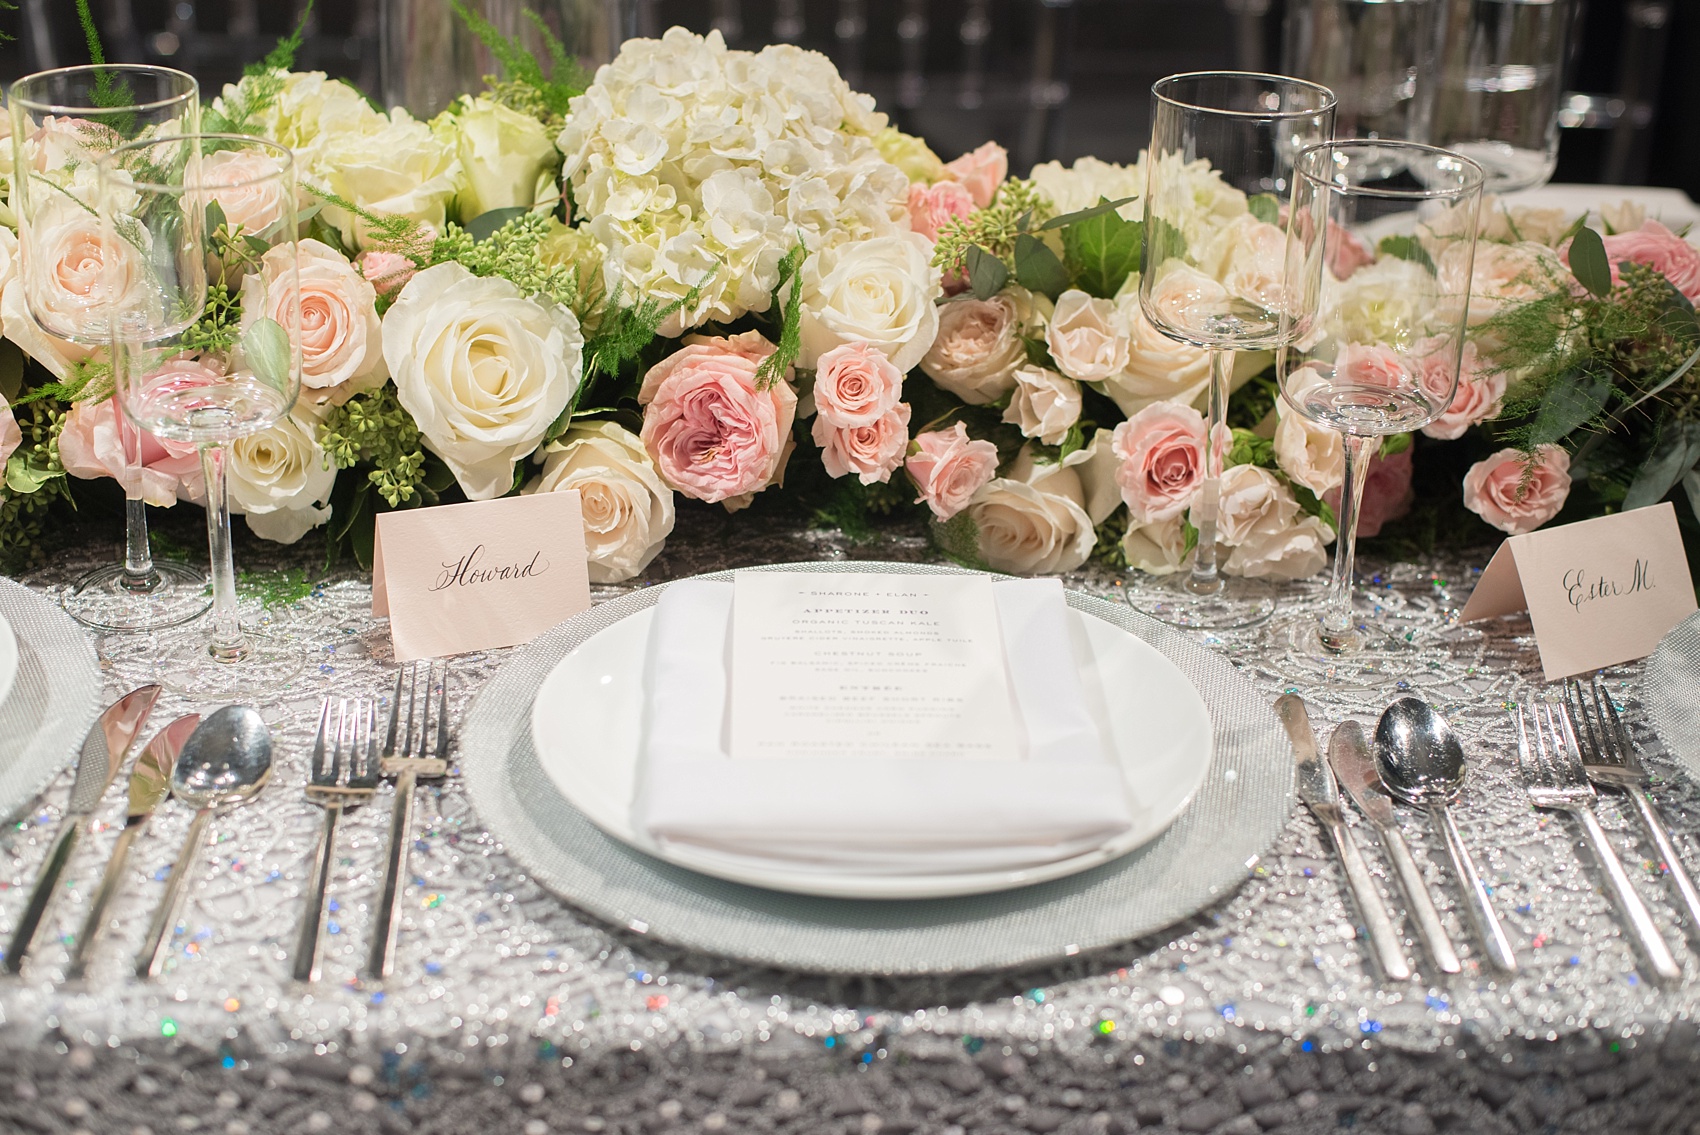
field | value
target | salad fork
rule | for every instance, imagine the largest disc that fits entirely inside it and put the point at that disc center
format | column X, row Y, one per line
column 409, row 754
column 1609, row 759
column 335, row 787
column 1553, row 776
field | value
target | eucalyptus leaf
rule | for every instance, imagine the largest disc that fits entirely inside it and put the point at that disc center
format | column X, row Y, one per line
column 986, row 273
column 1588, row 261
column 265, row 347
column 11, row 370
column 1037, row 268
column 1570, row 404
column 1166, row 242
column 485, row 224
column 1102, row 252
column 1264, row 207
column 1406, row 248
column 1691, row 486
column 22, row 477
column 1104, row 205
column 1674, row 454
column 215, row 216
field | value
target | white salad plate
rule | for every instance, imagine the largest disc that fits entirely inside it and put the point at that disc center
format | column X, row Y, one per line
column 8, row 658
column 587, row 730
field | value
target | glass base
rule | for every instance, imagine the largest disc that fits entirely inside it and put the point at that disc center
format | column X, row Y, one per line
column 104, row 600
column 272, row 661
column 1383, row 650
column 1236, row 605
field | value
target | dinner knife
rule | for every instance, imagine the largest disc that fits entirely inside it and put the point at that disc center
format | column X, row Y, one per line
column 104, row 749
column 1317, row 789
column 150, row 782
column 1354, row 767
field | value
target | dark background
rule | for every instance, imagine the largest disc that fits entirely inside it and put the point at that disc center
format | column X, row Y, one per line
column 1091, row 98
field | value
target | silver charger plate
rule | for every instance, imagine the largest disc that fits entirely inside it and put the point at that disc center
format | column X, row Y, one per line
column 1670, row 693
column 53, row 700
column 1242, row 806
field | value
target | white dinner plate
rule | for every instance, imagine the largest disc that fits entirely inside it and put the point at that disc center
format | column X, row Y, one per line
column 587, row 727
column 8, row 658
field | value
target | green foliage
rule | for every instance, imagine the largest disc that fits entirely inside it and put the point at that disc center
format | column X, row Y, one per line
column 106, row 92
column 219, row 325
column 1264, row 207
column 260, row 87
column 372, row 428
column 527, row 88
column 1167, row 242
column 1405, row 248
column 1015, row 209
column 1588, row 261
column 1249, row 449
column 623, row 331
column 1037, row 268
column 1108, row 550
column 89, row 381
column 790, row 342
column 25, row 514
column 1394, row 444
column 852, row 506
column 959, row 539
column 1314, row 505
column 511, row 252
column 987, row 273
column 1102, row 250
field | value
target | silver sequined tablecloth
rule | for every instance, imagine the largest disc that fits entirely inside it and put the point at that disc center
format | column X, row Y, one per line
column 511, row 1012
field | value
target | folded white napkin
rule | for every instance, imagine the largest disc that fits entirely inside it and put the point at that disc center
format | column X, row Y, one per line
column 897, row 817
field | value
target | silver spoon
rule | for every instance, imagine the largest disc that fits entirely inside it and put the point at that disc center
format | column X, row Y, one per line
column 1422, row 764
column 226, row 760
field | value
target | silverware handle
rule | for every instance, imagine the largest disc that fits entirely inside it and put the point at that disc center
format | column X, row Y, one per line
column 1421, row 903
column 1389, row 950
column 306, row 965
column 1653, row 945
column 152, row 957
column 1655, row 825
column 382, row 959
column 46, row 882
column 1476, row 901
column 95, row 923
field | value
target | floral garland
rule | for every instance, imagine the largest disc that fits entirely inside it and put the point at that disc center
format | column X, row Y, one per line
column 712, row 273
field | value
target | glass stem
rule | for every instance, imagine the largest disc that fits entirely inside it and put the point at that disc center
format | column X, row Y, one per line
column 1205, row 579
column 1337, row 630
column 139, row 575
column 227, row 644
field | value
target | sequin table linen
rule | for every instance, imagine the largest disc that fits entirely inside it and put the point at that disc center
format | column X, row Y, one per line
column 511, row 1012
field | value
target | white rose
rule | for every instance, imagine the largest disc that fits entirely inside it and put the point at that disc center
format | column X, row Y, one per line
column 878, row 291
column 1096, row 467
column 1185, row 298
column 304, row 109
column 341, row 336
column 397, row 168
column 1623, row 216
column 484, row 370
column 1252, row 499
column 1387, row 302
column 1157, row 548
column 979, row 343
column 1249, row 258
column 1312, row 455
column 1159, row 369
column 1293, row 551
column 628, row 512
column 1033, row 521
column 281, row 479
column 1044, row 405
column 1087, row 337
column 502, row 153
column 1502, row 275
column 1529, row 222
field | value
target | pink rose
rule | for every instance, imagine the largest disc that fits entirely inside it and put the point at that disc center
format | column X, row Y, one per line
column 94, row 442
column 981, row 171
column 1369, row 364
column 932, row 206
column 386, row 271
column 1160, row 451
column 1517, row 493
column 10, row 435
column 247, row 187
column 870, row 451
column 341, row 337
column 711, row 432
column 1660, row 249
column 855, row 385
column 1387, row 492
column 1347, row 251
column 1480, row 394
column 948, row 469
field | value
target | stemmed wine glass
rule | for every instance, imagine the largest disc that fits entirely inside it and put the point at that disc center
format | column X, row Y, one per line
column 62, row 122
column 1382, row 356
column 1249, row 127
column 225, row 204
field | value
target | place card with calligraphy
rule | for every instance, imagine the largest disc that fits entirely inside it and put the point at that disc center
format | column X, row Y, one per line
column 462, row 577
column 1598, row 592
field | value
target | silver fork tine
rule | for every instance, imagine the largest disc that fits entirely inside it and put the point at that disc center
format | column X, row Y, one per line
column 395, row 714
column 320, row 738
column 1525, row 755
column 1611, row 725
column 441, row 752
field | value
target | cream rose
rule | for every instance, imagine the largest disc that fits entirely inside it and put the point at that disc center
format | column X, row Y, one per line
column 393, row 167
column 1291, row 551
column 979, row 344
column 1034, row 528
column 281, row 479
column 484, row 370
column 1185, row 298
column 628, row 512
column 1159, row 369
column 501, row 152
column 879, row 291
column 1312, row 455
column 1158, row 548
column 1248, row 257
column 341, row 336
column 1044, row 405
column 1503, row 275
column 74, row 271
column 1252, row 499
column 1087, row 337
column 247, row 188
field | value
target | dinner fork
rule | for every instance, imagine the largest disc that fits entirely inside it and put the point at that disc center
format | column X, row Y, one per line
column 1608, row 757
column 336, row 787
column 1553, row 776
column 405, row 758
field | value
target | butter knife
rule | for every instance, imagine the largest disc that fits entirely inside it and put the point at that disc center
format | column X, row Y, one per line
column 104, row 749
column 1354, row 766
column 150, row 782
column 1317, row 789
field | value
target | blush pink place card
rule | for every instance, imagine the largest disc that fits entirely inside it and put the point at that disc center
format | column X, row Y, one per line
column 1598, row 592
column 461, row 577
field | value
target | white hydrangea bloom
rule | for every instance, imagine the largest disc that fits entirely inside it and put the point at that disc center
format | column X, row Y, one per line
column 1089, row 180
column 692, row 159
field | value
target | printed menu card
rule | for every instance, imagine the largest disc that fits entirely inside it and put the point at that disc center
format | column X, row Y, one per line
column 868, row 667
